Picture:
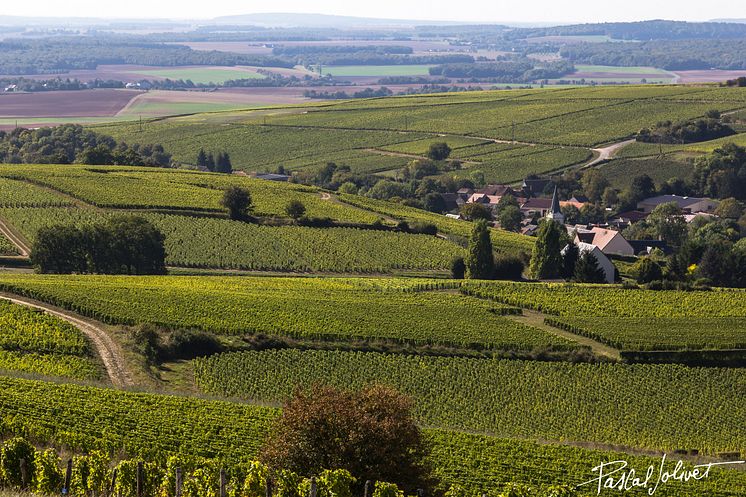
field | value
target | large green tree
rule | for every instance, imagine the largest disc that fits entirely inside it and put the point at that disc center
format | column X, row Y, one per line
column 546, row 259
column 480, row 260
column 587, row 269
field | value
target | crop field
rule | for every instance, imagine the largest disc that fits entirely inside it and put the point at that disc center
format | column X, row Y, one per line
column 18, row 193
column 165, row 425
column 394, row 70
column 614, row 74
column 386, row 309
column 65, row 104
column 633, row 319
column 507, row 398
column 34, row 342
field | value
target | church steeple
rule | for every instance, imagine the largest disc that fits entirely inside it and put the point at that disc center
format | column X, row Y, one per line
column 555, row 213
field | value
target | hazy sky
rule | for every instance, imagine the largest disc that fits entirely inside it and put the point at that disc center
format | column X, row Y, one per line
column 456, row 10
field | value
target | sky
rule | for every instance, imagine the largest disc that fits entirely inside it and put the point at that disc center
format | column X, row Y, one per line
column 559, row 11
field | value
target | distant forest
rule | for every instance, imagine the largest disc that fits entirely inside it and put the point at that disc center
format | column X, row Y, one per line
column 60, row 54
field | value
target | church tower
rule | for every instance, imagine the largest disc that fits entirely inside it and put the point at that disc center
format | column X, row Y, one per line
column 555, row 213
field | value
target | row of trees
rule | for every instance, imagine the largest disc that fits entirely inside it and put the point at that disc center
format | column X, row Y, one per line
column 220, row 163
column 121, row 245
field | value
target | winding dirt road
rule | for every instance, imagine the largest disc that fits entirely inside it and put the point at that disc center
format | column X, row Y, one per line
column 607, row 153
column 109, row 350
column 20, row 244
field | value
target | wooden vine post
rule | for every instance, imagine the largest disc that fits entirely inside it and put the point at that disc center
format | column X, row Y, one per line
column 368, row 488
column 68, row 477
column 178, row 482
column 140, row 478
column 223, row 483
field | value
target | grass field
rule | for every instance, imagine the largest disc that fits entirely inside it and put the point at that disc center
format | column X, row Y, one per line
column 382, row 71
column 201, row 75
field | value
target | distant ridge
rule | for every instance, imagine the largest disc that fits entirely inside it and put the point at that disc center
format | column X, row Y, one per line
column 283, row 20
column 735, row 21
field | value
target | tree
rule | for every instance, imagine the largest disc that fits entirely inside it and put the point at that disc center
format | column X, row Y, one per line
column 223, row 164
column 238, row 202
column 571, row 213
column 202, row 158
column 591, row 213
column 99, row 155
column 570, row 260
column 458, row 268
column 479, row 260
column 587, row 269
column 730, row 208
column 59, row 249
column 647, row 270
column 642, row 187
column 434, row 202
column 510, row 218
column 295, row 209
column 668, row 223
column 370, row 433
column 475, row 212
column 546, row 259
column 594, row 183
column 210, row 162
column 348, row 187
column 609, row 197
column 717, row 264
column 122, row 245
column 438, row 151
column 507, row 200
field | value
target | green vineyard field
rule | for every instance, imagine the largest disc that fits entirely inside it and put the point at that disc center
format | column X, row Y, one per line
column 321, row 308
column 155, row 426
column 603, row 403
column 35, row 342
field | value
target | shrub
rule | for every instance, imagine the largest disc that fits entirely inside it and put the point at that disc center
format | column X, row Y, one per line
column 385, row 489
column 370, row 433
column 458, row 268
column 647, row 270
column 295, row 209
column 238, row 202
column 508, row 267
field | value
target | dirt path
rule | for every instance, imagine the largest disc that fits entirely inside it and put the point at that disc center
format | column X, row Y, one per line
column 109, row 351
column 536, row 320
column 15, row 239
column 606, row 153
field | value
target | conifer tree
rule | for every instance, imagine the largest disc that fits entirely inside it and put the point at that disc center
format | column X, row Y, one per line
column 480, row 262
column 587, row 269
column 546, row 259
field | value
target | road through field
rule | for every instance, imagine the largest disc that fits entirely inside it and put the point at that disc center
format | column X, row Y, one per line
column 108, row 350
column 20, row 244
column 606, row 153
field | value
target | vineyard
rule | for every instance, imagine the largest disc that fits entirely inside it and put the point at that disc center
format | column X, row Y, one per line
column 220, row 243
column 156, row 426
column 344, row 132
column 14, row 193
column 7, row 247
column 604, row 403
column 34, row 342
column 329, row 308
column 632, row 319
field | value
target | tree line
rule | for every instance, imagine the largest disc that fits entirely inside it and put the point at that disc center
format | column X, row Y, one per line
column 71, row 143
column 120, row 245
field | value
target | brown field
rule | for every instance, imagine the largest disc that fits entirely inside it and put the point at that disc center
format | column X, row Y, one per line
column 82, row 103
column 709, row 76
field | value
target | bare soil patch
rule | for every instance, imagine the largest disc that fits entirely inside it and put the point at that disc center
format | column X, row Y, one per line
column 79, row 103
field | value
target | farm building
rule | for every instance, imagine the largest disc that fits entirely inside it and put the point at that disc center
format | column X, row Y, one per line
column 608, row 241
column 603, row 262
column 689, row 205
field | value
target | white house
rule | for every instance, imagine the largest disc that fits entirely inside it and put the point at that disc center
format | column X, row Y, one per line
column 603, row 262
column 608, row 241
